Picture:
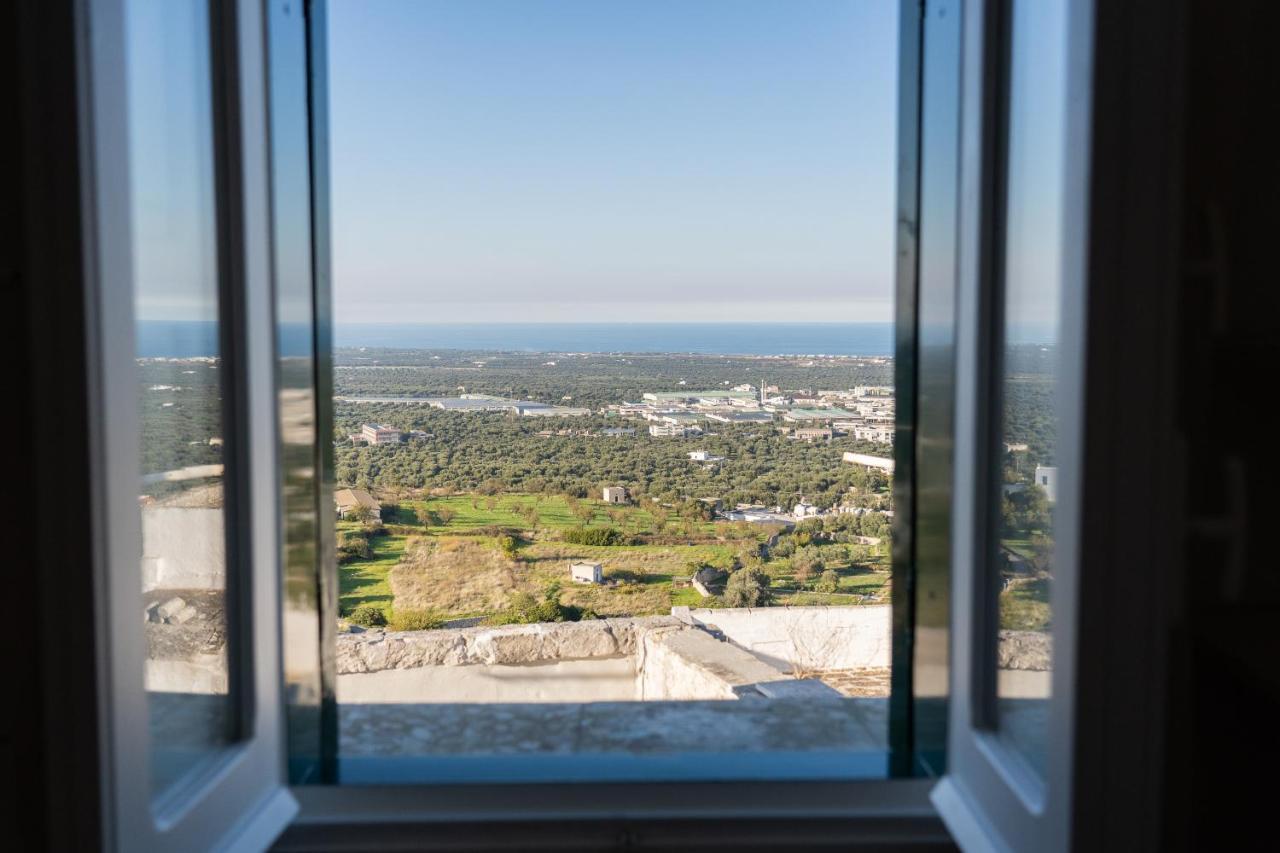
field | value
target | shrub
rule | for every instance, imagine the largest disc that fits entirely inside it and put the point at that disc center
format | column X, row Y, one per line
column 415, row 620
column 353, row 546
column 593, row 536
column 524, row 609
column 509, row 546
column 368, row 616
column 747, row 588
column 829, row 582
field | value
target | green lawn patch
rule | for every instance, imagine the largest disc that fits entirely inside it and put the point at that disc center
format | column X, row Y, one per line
column 365, row 581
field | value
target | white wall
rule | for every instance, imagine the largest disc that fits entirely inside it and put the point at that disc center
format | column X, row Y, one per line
column 183, row 548
column 807, row 637
column 587, row 680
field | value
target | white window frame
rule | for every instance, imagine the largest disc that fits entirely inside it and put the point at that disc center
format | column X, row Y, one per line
column 988, row 798
column 238, row 798
column 728, row 814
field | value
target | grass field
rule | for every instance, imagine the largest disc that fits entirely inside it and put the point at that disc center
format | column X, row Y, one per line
column 1024, row 605
column 455, row 567
column 366, row 581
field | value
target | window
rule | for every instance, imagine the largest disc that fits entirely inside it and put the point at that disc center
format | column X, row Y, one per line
column 181, row 391
column 183, row 445
column 484, row 568
column 612, row 502
column 1021, row 299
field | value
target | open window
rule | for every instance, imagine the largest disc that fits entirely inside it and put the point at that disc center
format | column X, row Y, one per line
column 183, row 445
column 1019, row 402
column 221, row 460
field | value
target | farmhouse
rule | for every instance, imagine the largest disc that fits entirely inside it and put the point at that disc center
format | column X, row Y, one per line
column 616, row 495
column 380, row 434
column 804, row 509
column 345, row 502
column 586, row 573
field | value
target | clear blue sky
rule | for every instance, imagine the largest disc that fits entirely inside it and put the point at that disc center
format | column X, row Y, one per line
column 613, row 160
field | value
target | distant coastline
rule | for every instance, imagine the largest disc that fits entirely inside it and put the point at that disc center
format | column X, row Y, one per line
column 849, row 339
column 190, row 339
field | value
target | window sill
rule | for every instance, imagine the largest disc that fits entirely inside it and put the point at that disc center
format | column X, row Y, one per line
column 886, row 814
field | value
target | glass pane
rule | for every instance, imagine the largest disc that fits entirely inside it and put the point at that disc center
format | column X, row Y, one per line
column 296, row 374
column 614, row 387
column 1029, row 476
column 180, row 383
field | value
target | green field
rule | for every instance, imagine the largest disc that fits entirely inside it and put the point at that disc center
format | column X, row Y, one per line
column 365, row 581
column 454, row 565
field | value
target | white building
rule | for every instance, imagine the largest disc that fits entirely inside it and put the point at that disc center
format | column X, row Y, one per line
column 1047, row 479
column 704, row 456
column 882, row 433
column 804, row 509
column 673, row 430
column 380, row 434
column 869, row 461
column 616, row 495
column 586, row 573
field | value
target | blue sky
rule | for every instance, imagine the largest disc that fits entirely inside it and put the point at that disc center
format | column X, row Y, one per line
column 613, row 160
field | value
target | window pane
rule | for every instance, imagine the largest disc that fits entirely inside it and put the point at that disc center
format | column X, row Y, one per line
column 296, row 375
column 1032, row 274
column 182, row 499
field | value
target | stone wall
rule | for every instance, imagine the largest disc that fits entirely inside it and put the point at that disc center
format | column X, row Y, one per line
column 1025, row 650
column 372, row 651
column 650, row 658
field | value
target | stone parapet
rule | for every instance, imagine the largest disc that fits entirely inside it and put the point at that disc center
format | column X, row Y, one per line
column 373, row 651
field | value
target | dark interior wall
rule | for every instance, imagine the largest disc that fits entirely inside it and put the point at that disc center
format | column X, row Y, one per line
column 49, row 735
column 1224, row 687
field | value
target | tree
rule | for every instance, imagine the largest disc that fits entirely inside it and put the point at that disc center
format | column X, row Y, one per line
column 360, row 513
column 1025, row 510
column 747, row 588
column 805, row 565
column 829, row 582
column 446, row 515
column 1041, row 554
column 425, row 517
column 509, row 546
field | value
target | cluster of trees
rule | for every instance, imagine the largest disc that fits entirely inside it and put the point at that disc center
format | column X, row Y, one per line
column 1029, row 374
column 747, row 587
column 594, row 536
column 526, row 609
column 1026, row 510
column 491, row 453
column 844, row 529
column 180, row 416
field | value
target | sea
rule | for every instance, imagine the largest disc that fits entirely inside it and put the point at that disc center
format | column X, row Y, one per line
column 866, row 339
column 189, row 339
